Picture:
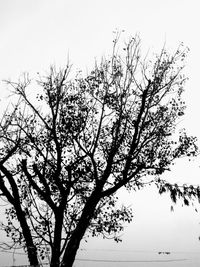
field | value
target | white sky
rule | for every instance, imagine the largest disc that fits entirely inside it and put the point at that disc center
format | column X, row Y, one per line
column 37, row 33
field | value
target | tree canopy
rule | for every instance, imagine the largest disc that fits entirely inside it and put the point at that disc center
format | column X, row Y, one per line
column 65, row 153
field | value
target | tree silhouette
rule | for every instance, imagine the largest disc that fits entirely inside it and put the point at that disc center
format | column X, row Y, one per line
column 65, row 154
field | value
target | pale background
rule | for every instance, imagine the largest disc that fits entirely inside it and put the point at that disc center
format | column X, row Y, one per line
column 37, row 33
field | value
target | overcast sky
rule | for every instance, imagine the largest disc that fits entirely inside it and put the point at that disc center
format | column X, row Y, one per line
column 37, row 33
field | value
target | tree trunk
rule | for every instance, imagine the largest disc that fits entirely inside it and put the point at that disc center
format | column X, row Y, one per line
column 55, row 258
column 73, row 245
column 21, row 216
column 31, row 248
column 71, row 250
column 32, row 255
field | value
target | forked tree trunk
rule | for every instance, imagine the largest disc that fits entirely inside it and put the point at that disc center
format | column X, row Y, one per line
column 70, row 252
column 74, row 243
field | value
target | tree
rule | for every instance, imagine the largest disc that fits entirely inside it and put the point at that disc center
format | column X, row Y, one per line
column 65, row 154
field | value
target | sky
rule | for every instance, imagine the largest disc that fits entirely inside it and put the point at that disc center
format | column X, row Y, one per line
column 37, row 33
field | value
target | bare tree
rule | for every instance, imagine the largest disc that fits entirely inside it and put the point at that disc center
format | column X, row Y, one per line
column 64, row 158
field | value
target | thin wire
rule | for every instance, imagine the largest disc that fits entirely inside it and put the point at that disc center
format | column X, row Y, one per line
column 116, row 250
column 113, row 261
column 98, row 260
column 11, row 252
column 107, row 261
column 137, row 251
column 25, row 265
